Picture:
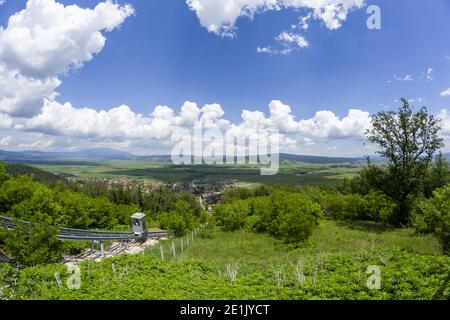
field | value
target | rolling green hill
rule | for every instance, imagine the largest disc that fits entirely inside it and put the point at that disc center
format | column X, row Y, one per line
column 17, row 169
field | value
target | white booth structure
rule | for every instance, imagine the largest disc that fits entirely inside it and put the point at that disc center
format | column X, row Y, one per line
column 139, row 225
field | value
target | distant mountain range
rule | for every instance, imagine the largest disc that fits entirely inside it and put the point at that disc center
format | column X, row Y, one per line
column 111, row 154
column 100, row 153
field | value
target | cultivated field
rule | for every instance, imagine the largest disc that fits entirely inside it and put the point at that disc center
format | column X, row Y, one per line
column 291, row 172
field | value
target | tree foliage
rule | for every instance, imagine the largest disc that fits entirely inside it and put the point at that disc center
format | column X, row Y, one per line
column 408, row 140
column 33, row 244
column 181, row 218
column 375, row 206
column 49, row 207
column 433, row 216
column 285, row 215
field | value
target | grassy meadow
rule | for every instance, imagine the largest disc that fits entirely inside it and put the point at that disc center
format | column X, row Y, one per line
column 290, row 172
column 252, row 250
column 242, row 265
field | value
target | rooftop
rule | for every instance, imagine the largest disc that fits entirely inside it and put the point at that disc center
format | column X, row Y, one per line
column 138, row 215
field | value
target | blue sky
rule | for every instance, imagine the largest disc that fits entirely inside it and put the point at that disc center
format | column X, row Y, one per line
column 163, row 55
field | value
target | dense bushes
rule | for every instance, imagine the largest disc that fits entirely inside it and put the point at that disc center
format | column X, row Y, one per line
column 242, row 193
column 156, row 201
column 24, row 199
column 48, row 209
column 33, row 244
column 232, row 215
column 178, row 213
column 433, row 216
column 375, row 206
column 292, row 215
column 288, row 216
column 383, row 179
column 181, row 218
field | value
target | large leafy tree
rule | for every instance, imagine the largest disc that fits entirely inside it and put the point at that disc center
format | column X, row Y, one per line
column 408, row 140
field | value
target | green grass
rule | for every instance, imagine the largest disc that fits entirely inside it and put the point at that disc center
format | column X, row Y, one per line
column 258, row 251
column 333, row 266
column 333, row 237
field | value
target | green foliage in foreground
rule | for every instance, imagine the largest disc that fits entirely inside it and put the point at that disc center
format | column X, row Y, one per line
column 433, row 216
column 404, row 275
column 288, row 216
column 332, row 266
column 48, row 208
column 33, row 244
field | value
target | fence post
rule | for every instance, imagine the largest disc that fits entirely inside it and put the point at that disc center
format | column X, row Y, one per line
column 162, row 252
column 102, row 249
column 58, row 279
column 173, row 248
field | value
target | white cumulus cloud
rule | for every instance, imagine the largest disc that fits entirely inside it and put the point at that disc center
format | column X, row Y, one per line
column 5, row 140
column 220, row 16
column 446, row 93
column 21, row 95
column 326, row 124
column 5, row 121
column 444, row 116
column 292, row 41
column 45, row 40
column 122, row 124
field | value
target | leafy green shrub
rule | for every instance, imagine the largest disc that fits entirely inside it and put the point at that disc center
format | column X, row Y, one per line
column 34, row 244
column 297, row 215
column 262, row 207
column 4, row 176
column 375, row 206
column 379, row 207
column 433, row 216
column 285, row 215
column 232, row 215
column 173, row 222
column 180, row 219
column 252, row 223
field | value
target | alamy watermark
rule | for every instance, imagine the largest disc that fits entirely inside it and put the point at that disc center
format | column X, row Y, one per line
column 212, row 146
column 374, row 280
column 374, row 20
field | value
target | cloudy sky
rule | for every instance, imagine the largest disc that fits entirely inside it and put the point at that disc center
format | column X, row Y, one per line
column 132, row 75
